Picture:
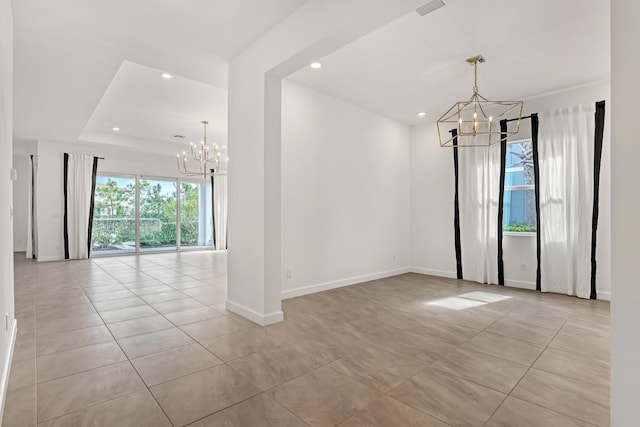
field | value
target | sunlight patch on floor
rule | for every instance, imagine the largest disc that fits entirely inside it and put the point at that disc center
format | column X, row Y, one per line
column 468, row 300
column 484, row 296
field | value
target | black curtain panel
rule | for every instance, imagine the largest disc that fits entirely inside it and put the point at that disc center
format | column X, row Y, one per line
column 456, row 207
column 94, row 174
column 66, row 225
column 503, row 160
column 536, row 174
column 599, row 133
column 34, row 249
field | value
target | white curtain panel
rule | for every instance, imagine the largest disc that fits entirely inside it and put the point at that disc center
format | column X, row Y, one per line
column 220, row 211
column 566, row 156
column 478, row 192
column 32, row 210
column 79, row 182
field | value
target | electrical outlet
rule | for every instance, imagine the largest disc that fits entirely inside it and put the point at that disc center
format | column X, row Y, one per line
column 394, row 257
column 289, row 272
column 523, row 266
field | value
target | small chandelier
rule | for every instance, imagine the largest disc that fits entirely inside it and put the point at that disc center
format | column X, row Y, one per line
column 475, row 123
column 208, row 159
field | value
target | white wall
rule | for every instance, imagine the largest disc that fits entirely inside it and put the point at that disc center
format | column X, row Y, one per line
column 345, row 192
column 314, row 30
column 432, row 190
column 6, row 197
column 625, row 302
column 21, row 164
column 50, row 183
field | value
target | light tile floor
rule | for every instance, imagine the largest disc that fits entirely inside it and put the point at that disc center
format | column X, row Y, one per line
column 146, row 341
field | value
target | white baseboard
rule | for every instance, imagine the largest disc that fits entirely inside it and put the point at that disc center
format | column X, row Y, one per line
column 254, row 316
column 521, row 284
column 312, row 289
column 6, row 369
column 430, row 272
column 450, row 274
column 20, row 249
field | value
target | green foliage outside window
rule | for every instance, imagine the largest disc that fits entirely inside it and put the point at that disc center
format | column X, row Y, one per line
column 519, row 228
column 114, row 215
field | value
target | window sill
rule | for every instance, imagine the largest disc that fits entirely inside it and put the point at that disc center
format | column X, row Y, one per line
column 518, row 233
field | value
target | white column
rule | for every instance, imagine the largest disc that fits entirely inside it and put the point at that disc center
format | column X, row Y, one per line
column 312, row 32
column 7, row 335
column 625, row 211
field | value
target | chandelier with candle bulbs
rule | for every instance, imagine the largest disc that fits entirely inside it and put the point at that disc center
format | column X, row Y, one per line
column 475, row 122
column 207, row 158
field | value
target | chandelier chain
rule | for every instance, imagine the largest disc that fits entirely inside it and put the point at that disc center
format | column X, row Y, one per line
column 475, row 77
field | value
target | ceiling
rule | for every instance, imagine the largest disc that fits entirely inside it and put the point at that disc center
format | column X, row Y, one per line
column 85, row 66
column 150, row 111
column 68, row 52
column 418, row 63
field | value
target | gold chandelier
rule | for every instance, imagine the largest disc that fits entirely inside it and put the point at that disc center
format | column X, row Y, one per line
column 476, row 122
column 209, row 163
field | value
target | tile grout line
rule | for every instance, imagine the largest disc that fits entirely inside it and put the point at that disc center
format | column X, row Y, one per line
column 479, row 332
column 451, row 351
column 206, row 349
column 393, row 306
column 527, row 372
column 129, row 360
column 195, row 341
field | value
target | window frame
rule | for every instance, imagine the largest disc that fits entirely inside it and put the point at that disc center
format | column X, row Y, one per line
column 197, row 181
column 176, row 181
column 134, row 177
column 137, row 178
column 517, row 188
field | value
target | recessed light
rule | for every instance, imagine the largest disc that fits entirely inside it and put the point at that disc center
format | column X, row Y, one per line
column 115, row 128
column 167, row 76
column 315, row 65
column 422, row 114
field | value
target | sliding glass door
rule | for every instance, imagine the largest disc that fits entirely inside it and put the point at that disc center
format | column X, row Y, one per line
column 157, row 214
column 141, row 214
column 195, row 215
column 114, row 215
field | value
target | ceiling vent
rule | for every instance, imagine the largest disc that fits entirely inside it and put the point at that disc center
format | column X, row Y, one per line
column 429, row 7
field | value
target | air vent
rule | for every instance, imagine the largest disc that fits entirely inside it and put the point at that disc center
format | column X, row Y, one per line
column 178, row 136
column 429, row 7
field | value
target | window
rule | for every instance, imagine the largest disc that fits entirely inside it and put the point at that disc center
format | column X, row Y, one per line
column 519, row 209
column 135, row 214
column 195, row 215
column 114, row 215
column 158, row 207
